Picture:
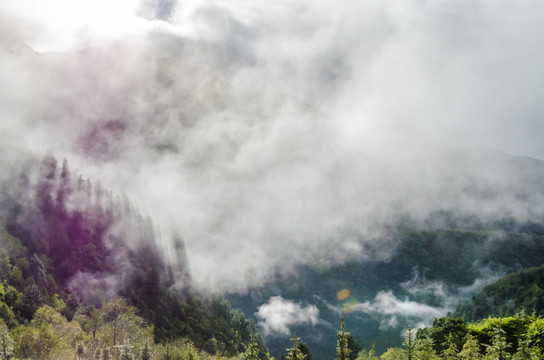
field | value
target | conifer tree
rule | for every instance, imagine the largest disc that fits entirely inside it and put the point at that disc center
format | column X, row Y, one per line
column 524, row 352
column 471, row 349
column 252, row 351
column 450, row 349
column 409, row 343
column 342, row 349
column 498, row 350
column 145, row 352
column 294, row 352
column 6, row 343
column 425, row 350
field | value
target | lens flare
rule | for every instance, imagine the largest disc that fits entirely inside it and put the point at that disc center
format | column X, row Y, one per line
column 343, row 294
column 349, row 306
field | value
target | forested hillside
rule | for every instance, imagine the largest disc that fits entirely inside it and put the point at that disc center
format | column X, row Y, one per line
column 518, row 337
column 81, row 267
column 523, row 289
column 431, row 270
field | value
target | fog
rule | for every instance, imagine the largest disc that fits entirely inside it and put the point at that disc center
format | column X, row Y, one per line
column 271, row 135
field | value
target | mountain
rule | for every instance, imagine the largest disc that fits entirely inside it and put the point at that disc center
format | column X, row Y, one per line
column 65, row 240
column 297, row 222
column 429, row 273
column 521, row 290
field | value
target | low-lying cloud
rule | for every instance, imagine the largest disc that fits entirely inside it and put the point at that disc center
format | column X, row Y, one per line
column 272, row 135
column 279, row 314
column 425, row 300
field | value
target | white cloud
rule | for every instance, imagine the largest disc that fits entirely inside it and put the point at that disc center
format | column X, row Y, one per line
column 388, row 304
column 278, row 314
column 415, row 307
column 269, row 182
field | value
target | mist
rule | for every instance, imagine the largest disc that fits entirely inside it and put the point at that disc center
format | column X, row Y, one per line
column 275, row 135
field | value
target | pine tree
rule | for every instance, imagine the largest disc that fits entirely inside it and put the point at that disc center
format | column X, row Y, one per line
column 498, row 350
column 409, row 343
column 342, row 349
column 450, row 349
column 6, row 343
column 125, row 351
column 425, row 350
column 252, row 351
column 145, row 352
column 471, row 349
column 524, row 352
column 294, row 352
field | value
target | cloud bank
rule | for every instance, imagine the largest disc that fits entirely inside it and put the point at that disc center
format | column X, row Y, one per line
column 275, row 134
column 278, row 314
column 425, row 300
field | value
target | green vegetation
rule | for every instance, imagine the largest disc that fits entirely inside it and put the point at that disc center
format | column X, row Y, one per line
column 82, row 276
column 523, row 289
column 518, row 337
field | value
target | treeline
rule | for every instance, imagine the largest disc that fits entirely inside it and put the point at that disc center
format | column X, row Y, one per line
column 66, row 240
column 518, row 337
column 521, row 289
column 112, row 331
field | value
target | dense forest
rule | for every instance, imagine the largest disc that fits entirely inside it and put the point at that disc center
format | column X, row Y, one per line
column 518, row 337
column 523, row 289
column 434, row 264
column 83, row 274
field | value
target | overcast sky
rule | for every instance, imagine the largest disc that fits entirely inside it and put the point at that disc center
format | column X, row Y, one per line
column 280, row 132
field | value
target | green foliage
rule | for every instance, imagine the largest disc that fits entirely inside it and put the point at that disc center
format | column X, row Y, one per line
column 294, row 353
column 394, row 354
column 410, row 343
column 450, row 350
column 424, row 349
column 367, row 355
column 342, row 349
column 525, row 352
column 471, row 349
column 498, row 349
column 535, row 335
column 523, row 289
column 441, row 331
column 6, row 342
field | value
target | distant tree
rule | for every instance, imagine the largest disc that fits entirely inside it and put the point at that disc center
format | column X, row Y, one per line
column 252, row 351
column 104, row 354
column 353, row 346
column 80, row 350
column 294, row 353
column 13, row 298
column 450, row 349
column 394, row 354
column 342, row 349
column 409, row 343
column 7, row 315
column 38, row 271
column 125, row 351
column 32, row 300
column 442, row 329
column 145, row 352
column 305, row 350
column 6, row 343
column 425, row 349
column 368, row 355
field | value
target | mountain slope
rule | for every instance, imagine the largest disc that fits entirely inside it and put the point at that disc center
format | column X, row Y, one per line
column 428, row 274
column 523, row 289
column 65, row 239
